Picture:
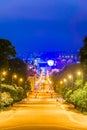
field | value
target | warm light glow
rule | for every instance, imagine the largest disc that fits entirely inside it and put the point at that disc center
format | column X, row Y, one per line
column 15, row 76
column 79, row 73
column 61, row 82
column 70, row 76
column 4, row 73
column 65, row 80
column 21, row 80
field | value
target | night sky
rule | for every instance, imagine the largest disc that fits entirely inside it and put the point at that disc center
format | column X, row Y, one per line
column 43, row 25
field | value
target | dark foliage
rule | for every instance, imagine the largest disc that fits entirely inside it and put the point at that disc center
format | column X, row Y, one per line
column 7, row 51
column 17, row 66
column 83, row 59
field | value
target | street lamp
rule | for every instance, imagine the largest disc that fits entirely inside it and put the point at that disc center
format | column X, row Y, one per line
column 80, row 74
column 4, row 73
column 70, row 77
column 61, row 86
column 14, row 77
column 65, row 81
column 61, row 82
column 20, row 80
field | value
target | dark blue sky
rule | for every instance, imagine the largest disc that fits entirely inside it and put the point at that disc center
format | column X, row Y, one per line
column 43, row 25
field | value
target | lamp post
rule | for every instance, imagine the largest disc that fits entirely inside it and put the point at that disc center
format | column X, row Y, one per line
column 20, row 81
column 61, row 86
column 14, row 77
column 4, row 73
column 65, row 81
column 1, row 76
column 61, row 82
column 80, row 74
column 70, row 77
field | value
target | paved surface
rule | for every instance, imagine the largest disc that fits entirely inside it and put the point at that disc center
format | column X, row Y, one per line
column 42, row 113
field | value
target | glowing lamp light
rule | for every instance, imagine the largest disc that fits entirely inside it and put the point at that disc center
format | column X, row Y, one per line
column 61, row 82
column 50, row 62
column 4, row 73
column 70, row 76
column 79, row 73
column 65, row 80
column 21, row 80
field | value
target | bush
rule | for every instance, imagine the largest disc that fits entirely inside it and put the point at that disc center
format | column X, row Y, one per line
column 6, row 99
column 20, row 94
column 17, row 93
column 75, row 96
column 66, row 94
column 85, row 86
column 78, row 83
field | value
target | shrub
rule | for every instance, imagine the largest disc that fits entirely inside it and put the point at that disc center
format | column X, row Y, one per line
column 74, row 97
column 66, row 94
column 17, row 93
column 6, row 99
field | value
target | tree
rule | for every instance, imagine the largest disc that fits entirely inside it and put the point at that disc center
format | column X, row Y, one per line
column 19, row 67
column 27, row 86
column 7, row 51
column 83, row 59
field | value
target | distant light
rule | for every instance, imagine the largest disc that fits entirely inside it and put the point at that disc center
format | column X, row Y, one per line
column 79, row 73
column 35, row 62
column 56, row 70
column 15, row 76
column 65, row 80
column 21, row 80
column 78, row 62
column 4, row 73
column 61, row 82
column 50, row 62
column 70, row 76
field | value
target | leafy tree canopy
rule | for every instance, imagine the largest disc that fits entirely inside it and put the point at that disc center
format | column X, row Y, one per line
column 83, row 59
column 7, row 51
column 83, row 52
column 19, row 67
